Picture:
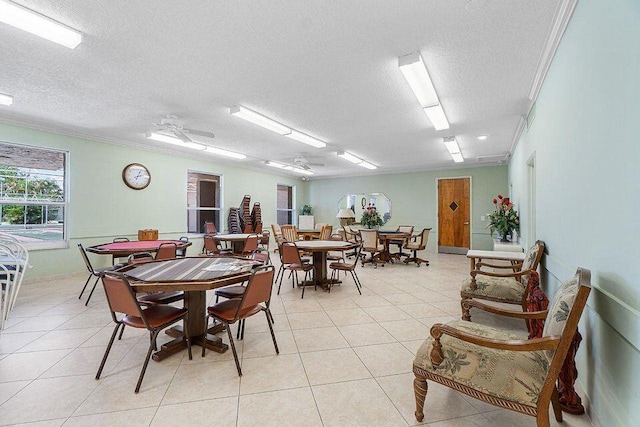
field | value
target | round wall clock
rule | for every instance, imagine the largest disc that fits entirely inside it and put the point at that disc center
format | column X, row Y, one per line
column 136, row 176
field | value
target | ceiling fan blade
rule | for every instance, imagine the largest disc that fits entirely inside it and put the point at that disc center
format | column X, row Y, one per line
column 182, row 136
column 199, row 132
column 321, row 165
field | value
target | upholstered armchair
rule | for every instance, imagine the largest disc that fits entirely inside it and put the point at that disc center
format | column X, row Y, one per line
column 500, row 368
column 417, row 243
column 371, row 245
column 507, row 287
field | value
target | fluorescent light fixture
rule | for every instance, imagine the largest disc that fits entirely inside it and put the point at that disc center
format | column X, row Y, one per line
column 288, row 167
column 304, row 138
column 302, row 171
column 259, row 119
column 6, row 99
column 40, row 25
column 415, row 71
column 482, row 137
column 226, row 153
column 357, row 160
column 437, row 117
column 454, row 149
column 276, row 165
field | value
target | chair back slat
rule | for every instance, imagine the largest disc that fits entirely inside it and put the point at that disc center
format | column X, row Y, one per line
column 325, row 233
column 120, row 295
column 166, row 251
column 258, row 289
column 290, row 233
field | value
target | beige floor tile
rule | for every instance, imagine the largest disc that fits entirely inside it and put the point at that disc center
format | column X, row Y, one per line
column 272, row 373
column 366, row 334
column 330, row 366
column 421, row 310
column 130, row 337
column 470, row 421
column 406, row 330
column 134, row 417
column 302, row 305
column 386, row 313
column 336, row 303
column 261, row 345
column 312, row 319
column 10, row 343
column 46, row 399
column 88, row 320
column 413, row 345
column 58, row 340
column 47, row 423
column 258, row 323
column 215, row 412
column 349, row 316
column 430, row 296
column 401, row 298
column 386, row 359
column 371, row 301
column 440, row 404
column 203, row 381
column 504, row 418
column 319, row 339
column 8, row 390
column 355, row 403
column 40, row 323
column 29, row 310
column 294, row 407
column 28, row 366
column 86, row 361
column 449, row 307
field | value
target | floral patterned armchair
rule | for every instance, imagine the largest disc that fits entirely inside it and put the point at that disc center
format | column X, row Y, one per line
column 499, row 368
column 509, row 287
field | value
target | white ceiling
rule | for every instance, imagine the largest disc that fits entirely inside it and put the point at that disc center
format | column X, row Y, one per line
column 325, row 68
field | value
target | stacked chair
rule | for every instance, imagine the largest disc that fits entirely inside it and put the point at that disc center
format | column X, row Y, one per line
column 14, row 262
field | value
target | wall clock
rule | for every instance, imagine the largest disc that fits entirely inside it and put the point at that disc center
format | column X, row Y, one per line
column 136, row 176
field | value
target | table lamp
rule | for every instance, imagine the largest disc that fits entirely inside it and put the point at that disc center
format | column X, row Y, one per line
column 346, row 216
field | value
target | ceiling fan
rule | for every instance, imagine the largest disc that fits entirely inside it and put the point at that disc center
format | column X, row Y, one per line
column 303, row 162
column 174, row 126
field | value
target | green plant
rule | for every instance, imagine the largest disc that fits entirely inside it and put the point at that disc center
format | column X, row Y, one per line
column 305, row 210
column 371, row 218
column 504, row 219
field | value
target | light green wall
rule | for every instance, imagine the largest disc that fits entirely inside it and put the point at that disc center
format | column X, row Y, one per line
column 414, row 198
column 585, row 140
column 102, row 207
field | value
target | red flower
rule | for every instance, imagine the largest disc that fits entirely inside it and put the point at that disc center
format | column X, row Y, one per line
column 506, row 200
column 500, row 196
column 495, row 202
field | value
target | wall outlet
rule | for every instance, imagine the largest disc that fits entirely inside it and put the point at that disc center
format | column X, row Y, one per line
column 482, row 218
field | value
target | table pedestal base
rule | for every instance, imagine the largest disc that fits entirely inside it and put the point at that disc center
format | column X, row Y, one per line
column 208, row 340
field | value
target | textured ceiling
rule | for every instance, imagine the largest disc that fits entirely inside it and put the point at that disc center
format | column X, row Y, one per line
column 325, row 68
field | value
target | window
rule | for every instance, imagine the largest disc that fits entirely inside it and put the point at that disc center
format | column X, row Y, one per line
column 203, row 201
column 33, row 195
column 285, row 204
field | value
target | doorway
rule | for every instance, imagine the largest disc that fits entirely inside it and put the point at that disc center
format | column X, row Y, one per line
column 454, row 206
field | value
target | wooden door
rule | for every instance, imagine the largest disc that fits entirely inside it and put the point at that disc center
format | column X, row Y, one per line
column 454, row 230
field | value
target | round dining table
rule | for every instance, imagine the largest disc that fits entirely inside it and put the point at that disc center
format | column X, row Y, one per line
column 319, row 249
column 237, row 240
column 124, row 249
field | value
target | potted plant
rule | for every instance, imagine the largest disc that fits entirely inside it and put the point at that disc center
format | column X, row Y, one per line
column 371, row 218
column 504, row 219
column 306, row 221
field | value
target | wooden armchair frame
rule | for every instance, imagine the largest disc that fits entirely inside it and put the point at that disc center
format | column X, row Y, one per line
column 559, row 344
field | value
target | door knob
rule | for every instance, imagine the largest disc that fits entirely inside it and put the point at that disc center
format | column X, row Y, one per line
column 466, row 223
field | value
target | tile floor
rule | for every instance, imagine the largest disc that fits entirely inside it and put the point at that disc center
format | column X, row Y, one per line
column 345, row 359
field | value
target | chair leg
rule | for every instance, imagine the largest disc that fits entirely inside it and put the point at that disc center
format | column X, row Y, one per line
column 85, row 286
column 106, row 353
column 244, row 321
column 420, row 389
column 154, row 335
column 92, row 289
column 121, row 332
column 356, row 281
column 281, row 276
column 273, row 336
column 185, row 327
column 206, row 323
column 466, row 315
column 555, row 402
column 233, row 348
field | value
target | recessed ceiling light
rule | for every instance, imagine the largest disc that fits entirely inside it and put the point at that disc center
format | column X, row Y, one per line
column 482, row 137
column 6, row 99
column 40, row 25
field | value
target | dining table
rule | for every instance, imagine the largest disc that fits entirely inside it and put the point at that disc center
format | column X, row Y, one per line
column 385, row 238
column 237, row 240
column 319, row 250
column 194, row 276
column 309, row 234
column 124, row 249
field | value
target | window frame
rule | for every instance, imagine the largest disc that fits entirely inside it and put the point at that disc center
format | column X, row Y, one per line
column 294, row 217
column 220, row 176
column 65, row 204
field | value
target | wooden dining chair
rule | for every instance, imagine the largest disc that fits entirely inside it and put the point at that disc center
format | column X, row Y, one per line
column 254, row 300
column 290, row 233
column 93, row 272
column 336, row 267
column 167, row 250
column 122, row 302
column 406, row 229
column 325, row 232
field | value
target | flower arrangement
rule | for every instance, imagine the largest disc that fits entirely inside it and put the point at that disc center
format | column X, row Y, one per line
column 371, row 218
column 505, row 218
